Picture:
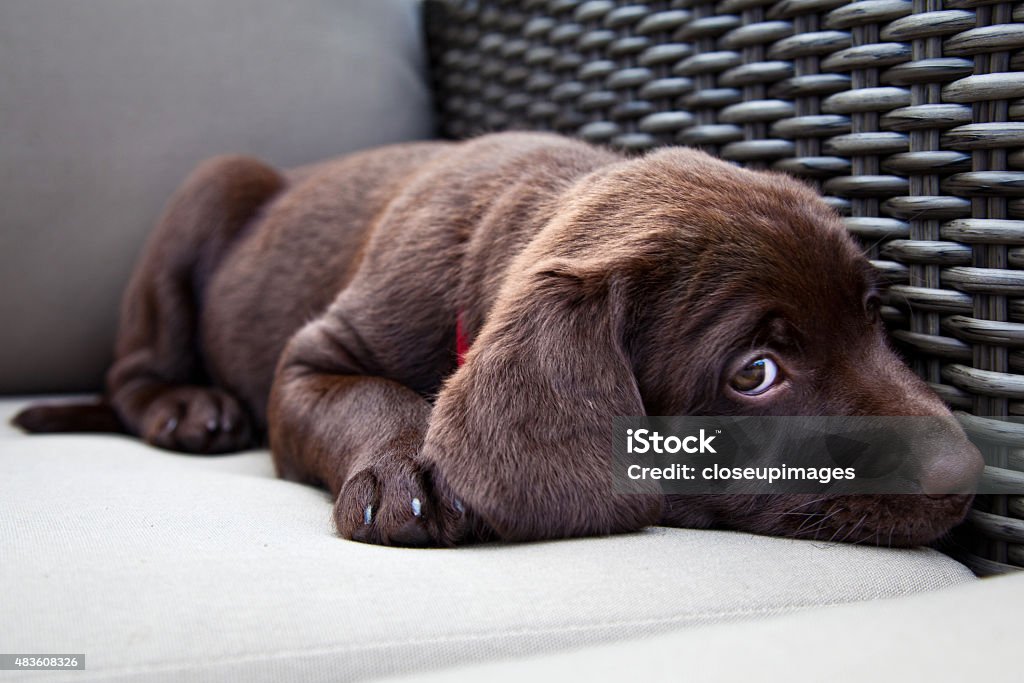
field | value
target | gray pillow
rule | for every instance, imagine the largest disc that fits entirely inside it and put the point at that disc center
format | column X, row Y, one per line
column 106, row 105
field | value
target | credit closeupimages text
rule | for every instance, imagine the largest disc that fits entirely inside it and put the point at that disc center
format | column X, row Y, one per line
column 645, row 441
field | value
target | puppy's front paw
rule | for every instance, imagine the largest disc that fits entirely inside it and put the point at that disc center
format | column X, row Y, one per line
column 393, row 502
column 196, row 420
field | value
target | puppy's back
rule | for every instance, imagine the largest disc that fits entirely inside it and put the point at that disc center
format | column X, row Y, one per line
column 426, row 198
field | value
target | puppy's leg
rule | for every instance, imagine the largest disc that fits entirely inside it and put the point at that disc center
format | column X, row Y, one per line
column 331, row 424
column 157, row 384
column 522, row 433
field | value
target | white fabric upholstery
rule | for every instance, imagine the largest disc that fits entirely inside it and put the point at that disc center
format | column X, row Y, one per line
column 965, row 633
column 167, row 567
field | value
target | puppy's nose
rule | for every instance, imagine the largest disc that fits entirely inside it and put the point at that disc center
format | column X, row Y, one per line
column 953, row 472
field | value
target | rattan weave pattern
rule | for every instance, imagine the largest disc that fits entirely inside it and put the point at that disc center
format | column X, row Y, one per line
column 907, row 114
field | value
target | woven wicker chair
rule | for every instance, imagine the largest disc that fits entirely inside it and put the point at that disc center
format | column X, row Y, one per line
column 905, row 114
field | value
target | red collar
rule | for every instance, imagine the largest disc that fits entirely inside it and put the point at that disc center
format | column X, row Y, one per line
column 461, row 341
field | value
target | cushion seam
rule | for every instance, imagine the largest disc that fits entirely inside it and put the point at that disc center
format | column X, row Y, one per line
column 182, row 665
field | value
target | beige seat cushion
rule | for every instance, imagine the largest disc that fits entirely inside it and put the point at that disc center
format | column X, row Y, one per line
column 167, row 567
column 964, row 633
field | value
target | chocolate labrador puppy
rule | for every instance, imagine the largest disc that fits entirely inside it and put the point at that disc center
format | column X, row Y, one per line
column 329, row 308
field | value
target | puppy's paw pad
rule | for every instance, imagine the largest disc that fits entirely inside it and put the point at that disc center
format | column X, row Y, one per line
column 197, row 420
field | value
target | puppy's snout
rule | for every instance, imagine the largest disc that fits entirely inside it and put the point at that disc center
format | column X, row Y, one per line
column 935, row 452
column 952, row 473
column 952, row 465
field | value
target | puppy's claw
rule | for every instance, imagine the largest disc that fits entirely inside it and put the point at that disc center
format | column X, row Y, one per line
column 170, row 426
column 368, row 515
column 459, row 506
column 417, row 507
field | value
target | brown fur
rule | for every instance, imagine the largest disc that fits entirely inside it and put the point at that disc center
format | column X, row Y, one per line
column 320, row 306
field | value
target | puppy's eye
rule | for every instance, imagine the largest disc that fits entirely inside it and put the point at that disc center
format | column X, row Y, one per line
column 756, row 377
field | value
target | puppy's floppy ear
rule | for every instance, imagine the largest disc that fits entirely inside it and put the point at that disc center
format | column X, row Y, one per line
column 522, row 433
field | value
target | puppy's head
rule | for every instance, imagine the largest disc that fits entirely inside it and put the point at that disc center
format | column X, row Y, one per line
column 752, row 299
column 678, row 284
